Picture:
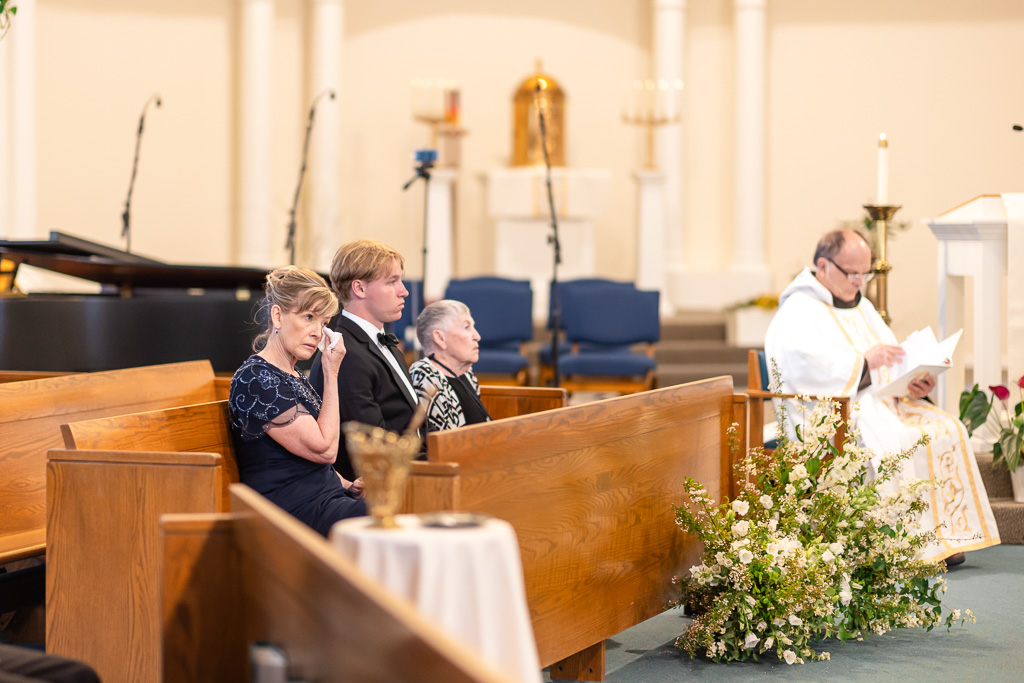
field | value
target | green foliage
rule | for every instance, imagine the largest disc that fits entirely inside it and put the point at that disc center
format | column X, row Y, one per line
column 974, row 409
column 1003, row 427
column 7, row 10
column 811, row 548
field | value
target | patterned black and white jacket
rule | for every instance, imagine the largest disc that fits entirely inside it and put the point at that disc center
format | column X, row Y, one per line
column 445, row 411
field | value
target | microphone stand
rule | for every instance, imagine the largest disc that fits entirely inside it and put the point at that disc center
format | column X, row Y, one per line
column 126, row 230
column 556, row 304
column 426, row 159
column 290, row 242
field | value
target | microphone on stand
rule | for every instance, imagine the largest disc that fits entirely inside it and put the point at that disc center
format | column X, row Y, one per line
column 290, row 242
column 126, row 230
column 555, row 304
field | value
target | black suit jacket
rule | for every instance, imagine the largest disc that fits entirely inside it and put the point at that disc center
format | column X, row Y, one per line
column 369, row 389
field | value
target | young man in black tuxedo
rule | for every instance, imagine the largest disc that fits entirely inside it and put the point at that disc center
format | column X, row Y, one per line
column 373, row 383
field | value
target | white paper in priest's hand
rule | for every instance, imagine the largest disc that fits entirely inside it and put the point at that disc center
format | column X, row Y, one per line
column 923, row 355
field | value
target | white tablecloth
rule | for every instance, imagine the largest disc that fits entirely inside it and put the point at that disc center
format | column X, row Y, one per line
column 468, row 580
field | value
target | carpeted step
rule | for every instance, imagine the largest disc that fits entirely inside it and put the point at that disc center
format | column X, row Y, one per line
column 994, row 475
column 692, row 331
column 698, row 351
column 1010, row 519
column 679, row 373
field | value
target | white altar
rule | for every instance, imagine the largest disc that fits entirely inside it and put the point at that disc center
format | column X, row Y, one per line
column 518, row 199
column 976, row 240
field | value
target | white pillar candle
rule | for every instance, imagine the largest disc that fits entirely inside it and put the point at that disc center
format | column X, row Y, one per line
column 882, row 193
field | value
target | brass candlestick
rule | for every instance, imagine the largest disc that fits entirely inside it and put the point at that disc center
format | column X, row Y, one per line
column 881, row 214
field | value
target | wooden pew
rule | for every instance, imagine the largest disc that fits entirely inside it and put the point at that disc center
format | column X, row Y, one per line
column 258, row 575
column 510, row 401
column 31, row 413
column 24, row 375
column 107, row 490
column 589, row 490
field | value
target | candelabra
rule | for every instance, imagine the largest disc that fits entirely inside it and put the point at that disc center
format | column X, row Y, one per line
column 652, row 105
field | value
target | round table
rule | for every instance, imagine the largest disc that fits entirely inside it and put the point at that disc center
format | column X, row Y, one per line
column 468, row 580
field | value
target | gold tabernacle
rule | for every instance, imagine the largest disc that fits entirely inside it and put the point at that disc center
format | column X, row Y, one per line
column 526, row 141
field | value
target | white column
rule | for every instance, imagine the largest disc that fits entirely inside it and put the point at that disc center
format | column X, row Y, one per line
column 650, row 261
column 324, row 204
column 440, row 222
column 22, row 130
column 669, row 62
column 257, row 240
column 748, row 242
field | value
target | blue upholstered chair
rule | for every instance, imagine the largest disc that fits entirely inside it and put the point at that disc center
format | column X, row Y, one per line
column 503, row 312
column 603, row 323
column 564, row 347
column 405, row 327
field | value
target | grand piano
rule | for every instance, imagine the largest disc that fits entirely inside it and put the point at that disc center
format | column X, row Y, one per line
column 147, row 311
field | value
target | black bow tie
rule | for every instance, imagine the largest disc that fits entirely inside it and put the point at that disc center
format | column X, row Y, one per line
column 388, row 339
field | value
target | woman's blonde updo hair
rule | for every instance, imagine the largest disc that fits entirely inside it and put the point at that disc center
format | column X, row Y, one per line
column 295, row 290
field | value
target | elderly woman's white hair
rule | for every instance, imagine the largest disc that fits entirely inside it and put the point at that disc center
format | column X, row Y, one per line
column 440, row 315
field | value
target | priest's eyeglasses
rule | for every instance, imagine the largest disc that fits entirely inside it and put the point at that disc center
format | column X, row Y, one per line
column 863, row 277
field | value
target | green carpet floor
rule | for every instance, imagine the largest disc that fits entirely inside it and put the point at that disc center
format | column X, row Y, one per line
column 990, row 583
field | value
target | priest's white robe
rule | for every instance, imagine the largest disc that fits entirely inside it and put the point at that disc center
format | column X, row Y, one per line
column 819, row 350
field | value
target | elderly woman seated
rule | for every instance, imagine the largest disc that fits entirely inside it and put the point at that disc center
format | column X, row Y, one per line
column 451, row 344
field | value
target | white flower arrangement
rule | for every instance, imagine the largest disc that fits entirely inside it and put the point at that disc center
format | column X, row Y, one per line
column 822, row 550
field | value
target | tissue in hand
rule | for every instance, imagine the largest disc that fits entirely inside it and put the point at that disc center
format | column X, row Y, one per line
column 329, row 338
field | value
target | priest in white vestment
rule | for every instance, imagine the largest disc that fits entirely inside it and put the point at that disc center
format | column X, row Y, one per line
column 828, row 340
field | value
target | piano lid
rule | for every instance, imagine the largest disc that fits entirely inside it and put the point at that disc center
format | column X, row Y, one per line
column 106, row 265
column 69, row 245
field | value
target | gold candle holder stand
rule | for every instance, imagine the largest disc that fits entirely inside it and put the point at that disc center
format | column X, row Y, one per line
column 382, row 459
column 650, row 123
column 881, row 214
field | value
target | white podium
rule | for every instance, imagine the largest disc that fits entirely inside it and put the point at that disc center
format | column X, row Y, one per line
column 976, row 240
column 518, row 199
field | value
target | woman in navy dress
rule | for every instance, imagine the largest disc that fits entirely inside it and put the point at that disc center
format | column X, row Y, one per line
column 285, row 435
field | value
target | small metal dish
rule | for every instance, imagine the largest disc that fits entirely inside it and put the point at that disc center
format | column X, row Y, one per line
column 452, row 520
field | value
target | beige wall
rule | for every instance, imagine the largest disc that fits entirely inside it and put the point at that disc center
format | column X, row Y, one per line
column 939, row 77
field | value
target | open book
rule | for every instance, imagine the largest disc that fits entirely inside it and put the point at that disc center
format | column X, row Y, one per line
column 925, row 355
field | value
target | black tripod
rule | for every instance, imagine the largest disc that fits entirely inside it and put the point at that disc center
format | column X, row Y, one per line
column 425, row 160
column 290, row 242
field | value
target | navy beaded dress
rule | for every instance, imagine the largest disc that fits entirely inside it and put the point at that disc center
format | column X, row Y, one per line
column 312, row 492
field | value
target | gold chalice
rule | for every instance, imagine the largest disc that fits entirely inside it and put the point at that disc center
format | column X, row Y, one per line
column 382, row 459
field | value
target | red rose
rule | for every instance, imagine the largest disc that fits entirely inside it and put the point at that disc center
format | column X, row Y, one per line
column 1000, row 392
column 1020, row 382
